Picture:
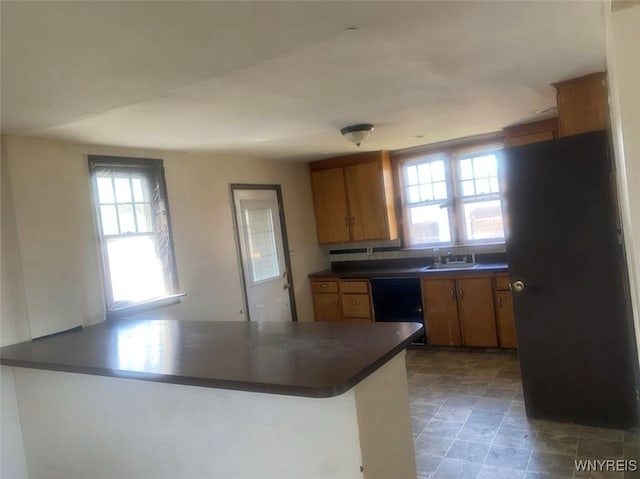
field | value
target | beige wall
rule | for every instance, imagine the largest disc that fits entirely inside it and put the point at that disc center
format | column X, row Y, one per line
column 623, row 62
column 54, row 230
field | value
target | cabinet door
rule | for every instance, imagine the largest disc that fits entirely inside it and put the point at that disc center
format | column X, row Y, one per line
column 441, row 312
column 326, row 307
column 330, row 205
column 583, row 104
column 356, row 306
column 366, row 201
column 477, row 315
column 505, row 321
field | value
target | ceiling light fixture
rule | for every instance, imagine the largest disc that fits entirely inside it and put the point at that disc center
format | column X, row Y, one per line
column 357, row 133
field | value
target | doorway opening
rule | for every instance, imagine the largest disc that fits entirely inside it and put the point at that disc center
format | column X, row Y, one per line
column 263, row 252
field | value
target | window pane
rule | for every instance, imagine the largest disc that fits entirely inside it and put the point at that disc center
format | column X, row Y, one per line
column 483, row 220
column 261, row 240
column 135, row 269
column 468, row 188
column 127, row 221
column 412, row 175
column 424, row 173
column 426, row 193
column 483, row 186
column 440, row 191
column 140, row 191
column 466, row 170
column 437, row 171
column 429, row 224
column 413, row 193
column 105, row 189
column 109, row 220
column 143, row 215
column 484, row 166
column 123, row 190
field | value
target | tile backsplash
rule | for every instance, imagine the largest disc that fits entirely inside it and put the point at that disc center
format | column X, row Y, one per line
column 376, row 250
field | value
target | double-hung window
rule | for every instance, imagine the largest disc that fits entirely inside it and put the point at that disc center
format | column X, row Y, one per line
column 451, row 197
column 130, row 201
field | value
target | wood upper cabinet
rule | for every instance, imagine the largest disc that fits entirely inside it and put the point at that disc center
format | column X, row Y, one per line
column 533, row 132
column 440, row 308
column 353, row 198
column 330, row 202
column 583, row 104
column 477, row 315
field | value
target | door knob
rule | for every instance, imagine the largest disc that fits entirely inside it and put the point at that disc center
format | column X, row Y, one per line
column 518, row 286
column 285, row 286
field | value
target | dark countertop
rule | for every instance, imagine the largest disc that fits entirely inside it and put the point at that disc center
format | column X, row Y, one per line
column 312, row 359
column 409, row 271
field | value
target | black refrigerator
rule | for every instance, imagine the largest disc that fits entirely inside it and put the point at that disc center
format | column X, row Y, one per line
column 569, row 282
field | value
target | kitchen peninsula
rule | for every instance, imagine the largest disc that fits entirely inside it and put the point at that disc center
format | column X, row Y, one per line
column 155, row 397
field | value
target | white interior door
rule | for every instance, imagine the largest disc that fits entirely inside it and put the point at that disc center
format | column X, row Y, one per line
column 263, row 255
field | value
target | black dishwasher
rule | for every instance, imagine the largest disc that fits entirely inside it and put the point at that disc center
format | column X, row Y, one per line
column 397, row 300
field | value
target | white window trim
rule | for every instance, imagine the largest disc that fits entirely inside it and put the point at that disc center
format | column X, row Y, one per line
column 452, row 155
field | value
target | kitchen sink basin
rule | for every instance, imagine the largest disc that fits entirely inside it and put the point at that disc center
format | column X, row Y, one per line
column 450, row 266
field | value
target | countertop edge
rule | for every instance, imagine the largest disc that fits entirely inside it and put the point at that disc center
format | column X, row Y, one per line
column 318, row 392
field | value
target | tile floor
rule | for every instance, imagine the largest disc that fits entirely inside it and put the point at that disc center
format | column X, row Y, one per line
column 469, row 422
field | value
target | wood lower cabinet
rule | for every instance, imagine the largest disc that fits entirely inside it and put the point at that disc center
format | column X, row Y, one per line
column 326, row 300
column 477, row 315
column 342, row 300
column 459, row 312
column 505, row 320
column 440, row 307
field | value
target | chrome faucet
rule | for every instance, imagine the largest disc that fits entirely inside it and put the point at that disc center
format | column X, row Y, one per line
column 437, row 260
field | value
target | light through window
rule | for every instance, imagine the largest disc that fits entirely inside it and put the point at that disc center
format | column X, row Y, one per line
column 131, row 210
column 451, row 198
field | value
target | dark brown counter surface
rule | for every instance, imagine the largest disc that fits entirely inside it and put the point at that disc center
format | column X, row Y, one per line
column 410, row 272
column 311, row 359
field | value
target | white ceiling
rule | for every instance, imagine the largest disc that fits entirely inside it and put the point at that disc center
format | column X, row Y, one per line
column 279, row 79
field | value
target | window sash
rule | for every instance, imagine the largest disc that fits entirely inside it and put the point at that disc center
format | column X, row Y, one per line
column 456, row 200
column 158, row 215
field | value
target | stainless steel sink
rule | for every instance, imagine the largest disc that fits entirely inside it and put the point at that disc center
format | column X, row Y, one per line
column 450, row 266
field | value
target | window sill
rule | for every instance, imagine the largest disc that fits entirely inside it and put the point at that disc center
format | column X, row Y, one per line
column 155, row 303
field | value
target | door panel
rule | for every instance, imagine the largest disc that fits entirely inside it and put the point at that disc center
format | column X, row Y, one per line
column 477, row 316
column 574, row 336
column 330, row 201
column 366, row 203
column 441, row 312
column 264, row 267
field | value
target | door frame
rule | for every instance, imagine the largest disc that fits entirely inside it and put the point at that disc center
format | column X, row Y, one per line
column 285, row 242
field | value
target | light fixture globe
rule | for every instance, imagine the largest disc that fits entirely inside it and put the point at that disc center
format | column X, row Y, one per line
column 357, row 133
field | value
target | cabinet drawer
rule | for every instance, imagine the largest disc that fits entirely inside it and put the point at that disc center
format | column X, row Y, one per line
column 503, row 283
column 354, row 287
column 355, row 306
column 324, row 286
